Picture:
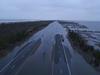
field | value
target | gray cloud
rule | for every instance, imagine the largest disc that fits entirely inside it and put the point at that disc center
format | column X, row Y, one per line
column 50, row 9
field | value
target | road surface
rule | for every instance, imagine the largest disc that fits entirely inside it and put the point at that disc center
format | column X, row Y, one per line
column 48, row 52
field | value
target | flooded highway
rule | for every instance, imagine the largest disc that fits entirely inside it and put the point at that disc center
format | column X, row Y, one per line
column 49, row 53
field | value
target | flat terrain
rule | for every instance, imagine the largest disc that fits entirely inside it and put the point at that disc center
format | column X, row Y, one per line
column 45, row 53
column 49, row 52
column 13, row 34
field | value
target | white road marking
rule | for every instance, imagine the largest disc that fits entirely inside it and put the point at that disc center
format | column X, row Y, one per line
column 66, row 61
column 6, row 65
column 13, row 58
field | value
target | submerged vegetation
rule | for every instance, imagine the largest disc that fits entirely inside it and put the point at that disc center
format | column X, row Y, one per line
column 12, row 34
column 79, row 42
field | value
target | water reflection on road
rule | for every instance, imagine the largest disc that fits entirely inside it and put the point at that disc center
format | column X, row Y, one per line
column 40, row 62
column 50, row 50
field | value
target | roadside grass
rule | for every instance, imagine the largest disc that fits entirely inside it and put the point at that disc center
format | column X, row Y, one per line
column 12, row 34
column 81, row 43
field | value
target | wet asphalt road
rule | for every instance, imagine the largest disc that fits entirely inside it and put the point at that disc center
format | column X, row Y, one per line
column 48, row 52
column 55, row 59
column 50, row 58
column 20, row 57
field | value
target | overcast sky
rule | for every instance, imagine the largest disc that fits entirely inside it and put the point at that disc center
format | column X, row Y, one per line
column 50, row 9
